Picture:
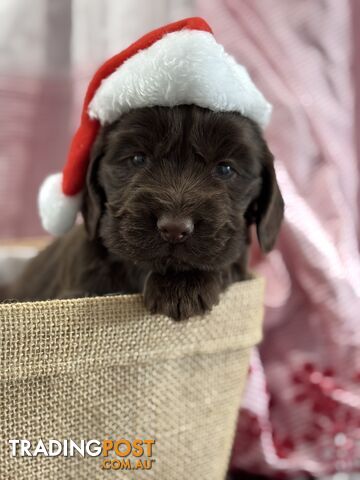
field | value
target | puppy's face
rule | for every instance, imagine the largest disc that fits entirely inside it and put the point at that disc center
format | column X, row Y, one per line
column 178, row 187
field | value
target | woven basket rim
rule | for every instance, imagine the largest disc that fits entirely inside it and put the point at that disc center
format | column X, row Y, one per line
column 38, row 337
column 125, row 299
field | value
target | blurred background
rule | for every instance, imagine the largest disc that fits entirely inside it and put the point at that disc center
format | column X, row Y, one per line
column 301, row 413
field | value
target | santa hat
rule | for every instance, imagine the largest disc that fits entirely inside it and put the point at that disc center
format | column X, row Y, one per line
column 178, row 64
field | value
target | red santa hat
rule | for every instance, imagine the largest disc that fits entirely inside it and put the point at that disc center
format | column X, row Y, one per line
column 178, row 64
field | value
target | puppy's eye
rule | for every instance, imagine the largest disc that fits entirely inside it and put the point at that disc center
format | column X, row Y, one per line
column 224, row 170
column 139, row 160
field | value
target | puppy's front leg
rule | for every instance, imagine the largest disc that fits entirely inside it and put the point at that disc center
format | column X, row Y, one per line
column 182, row 295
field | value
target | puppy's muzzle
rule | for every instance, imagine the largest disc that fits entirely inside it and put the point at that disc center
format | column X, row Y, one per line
column 175, row 229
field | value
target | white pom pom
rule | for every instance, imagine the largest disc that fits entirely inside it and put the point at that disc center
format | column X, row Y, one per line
column 57, row 211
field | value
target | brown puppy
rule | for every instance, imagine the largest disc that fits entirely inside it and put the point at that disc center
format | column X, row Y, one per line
column 170, row 197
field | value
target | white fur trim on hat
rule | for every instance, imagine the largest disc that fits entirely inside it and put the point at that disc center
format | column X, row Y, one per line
column 57, row 211
column 184, row 67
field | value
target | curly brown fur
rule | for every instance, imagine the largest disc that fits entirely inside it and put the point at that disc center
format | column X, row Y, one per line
column 120, row 247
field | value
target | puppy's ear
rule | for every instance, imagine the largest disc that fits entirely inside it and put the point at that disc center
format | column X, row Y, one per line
column 94, row 196
column 269, row 205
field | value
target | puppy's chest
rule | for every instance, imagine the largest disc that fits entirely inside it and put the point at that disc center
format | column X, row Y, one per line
column 120, row 278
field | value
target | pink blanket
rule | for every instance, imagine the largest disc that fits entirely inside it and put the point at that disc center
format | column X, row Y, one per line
column 302, row 407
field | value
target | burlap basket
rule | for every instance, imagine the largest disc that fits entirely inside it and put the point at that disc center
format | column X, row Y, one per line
column 103, row 368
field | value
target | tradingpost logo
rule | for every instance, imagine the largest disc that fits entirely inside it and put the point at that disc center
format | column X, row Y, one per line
column 125, row 454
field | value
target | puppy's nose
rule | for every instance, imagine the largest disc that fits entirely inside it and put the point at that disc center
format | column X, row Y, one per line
column 175, row 230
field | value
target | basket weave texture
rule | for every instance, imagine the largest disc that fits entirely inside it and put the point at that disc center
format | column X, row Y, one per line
column 103, row 368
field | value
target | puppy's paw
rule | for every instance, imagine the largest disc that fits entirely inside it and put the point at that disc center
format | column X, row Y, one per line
column 183, row 294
